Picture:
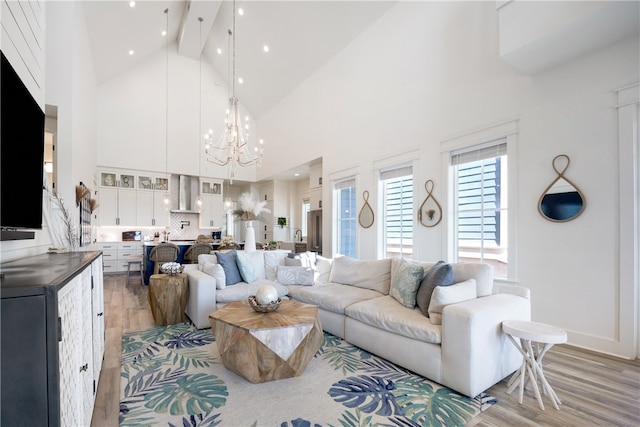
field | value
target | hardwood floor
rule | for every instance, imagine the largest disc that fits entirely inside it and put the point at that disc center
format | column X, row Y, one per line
column 595, row 389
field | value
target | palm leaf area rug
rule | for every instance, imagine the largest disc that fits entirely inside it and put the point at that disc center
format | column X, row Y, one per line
column 173, row 376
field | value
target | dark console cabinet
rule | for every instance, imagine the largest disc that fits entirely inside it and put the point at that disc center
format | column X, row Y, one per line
column 52, row 340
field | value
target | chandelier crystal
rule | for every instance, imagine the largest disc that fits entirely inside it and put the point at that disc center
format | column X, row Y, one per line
column 232, row 148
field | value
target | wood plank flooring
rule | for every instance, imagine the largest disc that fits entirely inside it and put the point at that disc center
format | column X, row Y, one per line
column 595, row 389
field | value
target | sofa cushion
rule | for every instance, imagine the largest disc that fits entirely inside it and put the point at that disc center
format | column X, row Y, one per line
column 204, row 258
column 288, row 275
column 482, row 273
column 245, row 265
column 405, row 279
column 441, row 274
column 445, row 295
column 242, row 291
column 272, row 259
column 387, row 314
column 217, row 272
column 228, row 261
column 334, row 297
column 323, row 269
column 293, row 262
column 374, row 275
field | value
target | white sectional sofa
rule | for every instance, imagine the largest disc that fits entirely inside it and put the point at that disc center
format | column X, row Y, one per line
column 359, row 301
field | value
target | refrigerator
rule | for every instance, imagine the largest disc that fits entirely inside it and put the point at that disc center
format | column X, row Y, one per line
column 314, row 231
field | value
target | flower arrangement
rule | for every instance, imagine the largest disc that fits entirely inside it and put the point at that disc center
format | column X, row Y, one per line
column 250, row 208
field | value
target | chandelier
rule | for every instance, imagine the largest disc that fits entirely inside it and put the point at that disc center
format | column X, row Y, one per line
column 232, row 148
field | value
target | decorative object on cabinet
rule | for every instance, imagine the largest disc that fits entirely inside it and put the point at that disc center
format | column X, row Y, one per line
column 366, row 215
column 232, row 149
column 430, row 212
column 93, row 205
column 64, row 229
column 562, row 200
column 84, row 204
column 108, row 179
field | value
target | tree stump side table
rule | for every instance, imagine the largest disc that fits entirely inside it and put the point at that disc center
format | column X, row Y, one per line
column 168, row 296
column 535, row 340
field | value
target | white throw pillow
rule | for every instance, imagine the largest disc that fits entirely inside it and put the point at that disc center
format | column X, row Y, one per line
column 374, row 275
column 453, row 294
column 217, row 272
column 323, row 269
column 295, row 275
column 272, row 259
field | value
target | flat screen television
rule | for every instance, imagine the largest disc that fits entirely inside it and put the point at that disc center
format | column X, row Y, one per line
column 21, row 156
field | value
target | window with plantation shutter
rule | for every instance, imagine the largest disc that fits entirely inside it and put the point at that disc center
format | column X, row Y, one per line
column 397, row 196
column 345, row 196
column 481, row 204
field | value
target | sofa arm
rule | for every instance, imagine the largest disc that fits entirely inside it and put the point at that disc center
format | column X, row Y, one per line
column 503, row 288
column 475, row 352
column 202, row 297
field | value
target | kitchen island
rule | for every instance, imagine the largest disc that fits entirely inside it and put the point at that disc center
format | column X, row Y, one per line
column 183, row 245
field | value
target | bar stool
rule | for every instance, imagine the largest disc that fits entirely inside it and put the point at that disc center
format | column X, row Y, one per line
column 196, row 249
column 163, row 252
column 134, row 261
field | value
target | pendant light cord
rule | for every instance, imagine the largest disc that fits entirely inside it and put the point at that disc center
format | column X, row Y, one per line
column 200, row 116
column 166, row 117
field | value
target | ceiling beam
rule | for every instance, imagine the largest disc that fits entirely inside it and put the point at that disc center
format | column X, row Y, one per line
column 189, row 41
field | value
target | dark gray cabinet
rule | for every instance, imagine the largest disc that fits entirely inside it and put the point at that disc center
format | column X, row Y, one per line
column 52, row 340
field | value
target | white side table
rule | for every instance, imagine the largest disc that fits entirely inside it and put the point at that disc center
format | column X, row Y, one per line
column 535, row 340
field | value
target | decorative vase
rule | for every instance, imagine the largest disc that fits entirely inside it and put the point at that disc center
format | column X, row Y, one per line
column 250, row 238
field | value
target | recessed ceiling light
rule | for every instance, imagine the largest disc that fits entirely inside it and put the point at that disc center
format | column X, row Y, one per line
column 163, row 33
column 240, row 80
column 265, row 48
column 240, row 11
column 132, row 4
column 296, row 174
column 131, row 52
column 219, row 51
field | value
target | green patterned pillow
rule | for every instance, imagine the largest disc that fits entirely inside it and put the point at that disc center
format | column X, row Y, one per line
column 405, row 279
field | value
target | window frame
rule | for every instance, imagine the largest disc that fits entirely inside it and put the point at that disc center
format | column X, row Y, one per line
column 336, row 192
column 382, row 229
column 507, row 131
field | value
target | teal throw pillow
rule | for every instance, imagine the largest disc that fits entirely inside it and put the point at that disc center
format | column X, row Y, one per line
column 228, row 261
column 441, row 274
column 245, row 265
column 405, row 279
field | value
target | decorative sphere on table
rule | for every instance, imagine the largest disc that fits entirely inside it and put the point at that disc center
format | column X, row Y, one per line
column 266, row 294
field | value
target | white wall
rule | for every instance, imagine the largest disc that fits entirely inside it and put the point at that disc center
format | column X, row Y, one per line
column 70, row 86
column 132, row 117
column 427, row 71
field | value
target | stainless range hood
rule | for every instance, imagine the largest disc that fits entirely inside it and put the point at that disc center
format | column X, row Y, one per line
column 184, row 196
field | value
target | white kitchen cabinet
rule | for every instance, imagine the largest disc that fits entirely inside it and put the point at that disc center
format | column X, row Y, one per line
column 315, row 198
column 117, row 206
column 115, row 255
column 212, row 213
column 151, row 210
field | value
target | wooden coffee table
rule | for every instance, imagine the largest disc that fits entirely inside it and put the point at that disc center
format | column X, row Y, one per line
column 267, row 346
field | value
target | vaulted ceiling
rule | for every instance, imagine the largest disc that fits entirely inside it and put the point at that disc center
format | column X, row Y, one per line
column 301, row 37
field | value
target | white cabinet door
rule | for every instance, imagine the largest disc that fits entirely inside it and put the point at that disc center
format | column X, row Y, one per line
column 207, row 219
column 315, row 198
column 127, row 205
column 108, row 211
column 161, row 212
column 97, row 308
column 144, row 210
column 86, row 362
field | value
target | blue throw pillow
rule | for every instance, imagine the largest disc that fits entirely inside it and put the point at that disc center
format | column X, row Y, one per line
column 245, row 265
column 228, row 261
column 441, row 274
